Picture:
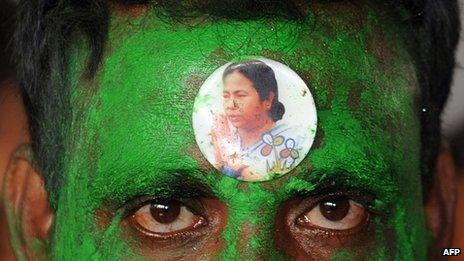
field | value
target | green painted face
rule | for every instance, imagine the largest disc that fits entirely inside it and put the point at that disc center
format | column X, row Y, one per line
column 136, row 184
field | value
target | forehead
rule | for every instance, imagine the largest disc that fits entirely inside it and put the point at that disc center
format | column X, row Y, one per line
column 237, row 80
column 351, row 56
column 132, row 126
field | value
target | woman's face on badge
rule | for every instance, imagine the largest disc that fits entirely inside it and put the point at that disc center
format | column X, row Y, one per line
column 242, row 104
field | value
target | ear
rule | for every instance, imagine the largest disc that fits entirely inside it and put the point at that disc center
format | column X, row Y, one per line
column 270, row 99
column 440, row 204
column 26, row 205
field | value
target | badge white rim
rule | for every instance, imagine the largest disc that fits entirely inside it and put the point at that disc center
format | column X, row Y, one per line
column 300, row 117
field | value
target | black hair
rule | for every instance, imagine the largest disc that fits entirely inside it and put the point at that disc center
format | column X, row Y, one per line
column 456, row 141
column 45, row 30
column 264, row 81
column 7, row 16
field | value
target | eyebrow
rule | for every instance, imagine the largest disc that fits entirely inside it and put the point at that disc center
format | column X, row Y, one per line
column 322, row 181
column 235, row 92
column 175, row 183
column 381, row 194
column 338, row 177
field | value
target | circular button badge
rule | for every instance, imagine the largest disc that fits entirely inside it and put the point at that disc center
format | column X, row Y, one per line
column 254, row 120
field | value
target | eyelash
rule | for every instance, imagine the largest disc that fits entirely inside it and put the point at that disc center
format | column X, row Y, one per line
column 363, row 199
column 310, row 202
column 132, row 206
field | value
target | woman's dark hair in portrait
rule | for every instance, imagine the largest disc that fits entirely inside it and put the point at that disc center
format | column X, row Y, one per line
column 264, row 81
column 47, row 28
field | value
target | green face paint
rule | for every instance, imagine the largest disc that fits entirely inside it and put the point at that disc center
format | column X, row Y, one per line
column 132, row 136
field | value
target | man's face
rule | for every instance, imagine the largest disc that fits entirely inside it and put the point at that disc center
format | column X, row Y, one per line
column 136, row 184
column 242, row 105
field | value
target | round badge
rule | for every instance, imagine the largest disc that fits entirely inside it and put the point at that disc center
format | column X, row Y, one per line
column 254, row 120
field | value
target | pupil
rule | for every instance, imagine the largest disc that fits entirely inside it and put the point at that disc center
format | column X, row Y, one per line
column 335, row 209
column 165, row 211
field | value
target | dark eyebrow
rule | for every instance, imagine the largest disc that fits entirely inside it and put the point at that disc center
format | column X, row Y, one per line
column 235, row 9
column 380, row 185
column 166, row 184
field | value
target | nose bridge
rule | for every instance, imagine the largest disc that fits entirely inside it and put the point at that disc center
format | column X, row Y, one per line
column 255, row 241
column 250, row 234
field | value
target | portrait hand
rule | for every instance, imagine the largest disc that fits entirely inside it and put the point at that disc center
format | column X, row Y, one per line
column 222, row 138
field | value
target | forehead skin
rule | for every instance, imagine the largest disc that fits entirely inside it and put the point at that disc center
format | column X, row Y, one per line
column 132, row 127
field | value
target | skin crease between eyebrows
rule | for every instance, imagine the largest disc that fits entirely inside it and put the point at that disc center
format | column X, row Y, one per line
column 136, row 131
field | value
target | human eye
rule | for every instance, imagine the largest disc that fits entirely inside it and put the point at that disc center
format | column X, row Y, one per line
column 335, row 214
column 166, row 218
column 242, row 95
column 320, row 224
column 171, row 225
column 345, row 216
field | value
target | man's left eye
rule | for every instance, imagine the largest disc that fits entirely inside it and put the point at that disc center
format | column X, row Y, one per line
column 334, row 213
column 166, row 218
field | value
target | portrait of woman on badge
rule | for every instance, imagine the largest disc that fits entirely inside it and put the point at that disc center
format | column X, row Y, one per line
column 252, row 135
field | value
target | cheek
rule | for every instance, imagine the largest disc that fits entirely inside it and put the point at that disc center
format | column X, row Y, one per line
column 245, row 105
column 251, row 106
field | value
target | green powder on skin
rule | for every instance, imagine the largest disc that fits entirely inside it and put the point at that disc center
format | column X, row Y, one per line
column 133, row 128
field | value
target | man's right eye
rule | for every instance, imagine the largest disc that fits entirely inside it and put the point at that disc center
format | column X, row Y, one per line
column 319, row 225
column 166, row 219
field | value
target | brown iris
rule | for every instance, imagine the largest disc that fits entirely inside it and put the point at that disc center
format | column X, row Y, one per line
column 335, row 209
column 165, row 212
